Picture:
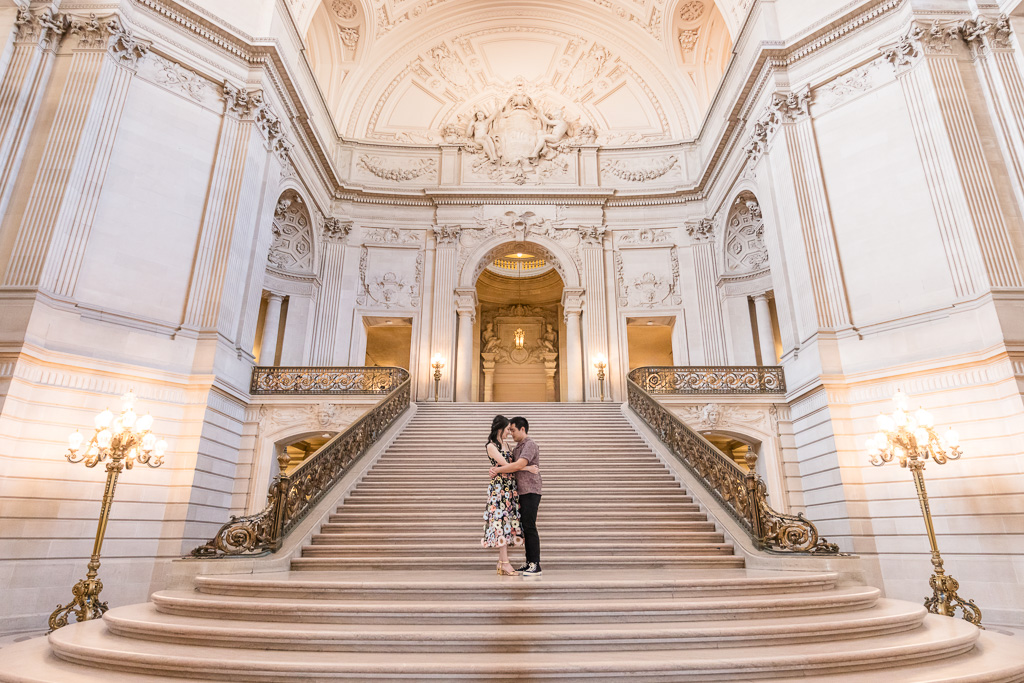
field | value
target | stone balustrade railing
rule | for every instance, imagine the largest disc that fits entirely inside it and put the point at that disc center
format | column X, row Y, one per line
column 292, row 496
column 743, row 494
column 326, row 381
column 710, row 380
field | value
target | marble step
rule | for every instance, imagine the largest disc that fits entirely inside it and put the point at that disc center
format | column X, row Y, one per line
column 581, row 527
column 637, row 548
column 994, row 659
column 482, row 560
column 485, row 586
column 547, row 515
column 145, row 622
column 552, row 505
column 93, row 644
column 327, row 536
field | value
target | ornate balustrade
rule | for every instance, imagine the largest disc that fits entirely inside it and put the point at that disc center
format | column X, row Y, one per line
column 292, row 496
column 315, row 381
column 710, row 380
column 743, row 494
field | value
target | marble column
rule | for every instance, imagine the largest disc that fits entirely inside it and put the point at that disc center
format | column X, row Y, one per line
column 572, row 306
column 271, row 329
column 595, row 319
column 765, row 335
column 466, row 307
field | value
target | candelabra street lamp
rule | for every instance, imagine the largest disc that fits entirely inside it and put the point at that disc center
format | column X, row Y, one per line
column 601, row 363
column 121, row 442
column 437, row 363
column 911, row 439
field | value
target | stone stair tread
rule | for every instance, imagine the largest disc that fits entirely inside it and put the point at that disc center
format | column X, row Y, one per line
column 145, row 621
column 91, row 642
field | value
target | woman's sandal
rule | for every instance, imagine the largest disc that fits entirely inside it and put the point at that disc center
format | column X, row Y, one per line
column 502, row 572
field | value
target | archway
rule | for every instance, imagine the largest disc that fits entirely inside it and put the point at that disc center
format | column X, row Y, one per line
column 521, row 339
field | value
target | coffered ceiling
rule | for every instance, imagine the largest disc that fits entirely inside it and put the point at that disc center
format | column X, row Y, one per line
column 404, row 71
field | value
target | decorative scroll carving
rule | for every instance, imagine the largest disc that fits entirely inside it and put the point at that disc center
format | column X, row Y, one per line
column 638, row 172
column 390, row 236
column 743, row 494
column 403, row 171
column 335, row 229
column 292, row 496
column 645, row 236
column 176, row 76
column 702, row 231
column 711, row 380
column 591, row 235
column 124, row 47
column 447, row 235
column 783, row 108
column 336, row 381
column 905, row 51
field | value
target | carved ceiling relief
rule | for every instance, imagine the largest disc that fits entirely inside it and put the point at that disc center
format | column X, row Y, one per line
column 291, row 249
column 389, row 278
column 743, row 242
column 464, row 90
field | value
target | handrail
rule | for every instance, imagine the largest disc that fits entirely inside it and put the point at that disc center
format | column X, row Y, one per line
column 292, row 496
column 315, row 381
column 743, row 494
column 740, row 379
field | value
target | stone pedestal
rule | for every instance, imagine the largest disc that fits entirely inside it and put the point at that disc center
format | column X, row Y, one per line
column 488, row 360
column 550, row 367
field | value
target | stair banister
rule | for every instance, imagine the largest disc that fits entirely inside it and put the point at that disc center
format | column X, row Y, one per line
column 743, row 494
column 293, row 495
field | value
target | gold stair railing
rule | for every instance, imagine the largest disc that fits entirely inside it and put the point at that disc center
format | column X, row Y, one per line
column 315, row 381
column 722, row 379
column 292, row 496
column 743, row 494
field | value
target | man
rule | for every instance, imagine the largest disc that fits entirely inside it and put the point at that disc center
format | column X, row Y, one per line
column 525, row 454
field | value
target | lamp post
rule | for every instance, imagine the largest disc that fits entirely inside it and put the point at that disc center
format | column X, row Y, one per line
column 601, row 363
column 437, row 363
column 911, row 439
column 121, row 441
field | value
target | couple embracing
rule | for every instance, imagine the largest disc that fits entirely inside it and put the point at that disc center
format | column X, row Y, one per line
column 513, row 496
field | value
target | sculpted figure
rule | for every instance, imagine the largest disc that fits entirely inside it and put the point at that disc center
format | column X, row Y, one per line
column 479, row 132
column 559, row 129
column 490, row 339
column 548, row 340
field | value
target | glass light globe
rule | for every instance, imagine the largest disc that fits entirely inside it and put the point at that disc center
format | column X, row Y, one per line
column 104, row 419
column 148, row 442
column 128, row 418
column 921, row 434
column 104, row 437
column 128, row 399
column 75, row 440
column 93, row 451
column 900, row 399
column 885, row 423
column 924, row 418
column 871, row 446
column 899, row 418
column 882, row 439
column 144, row 423
column 952, row 438
column 160, row 448
column 899, row 452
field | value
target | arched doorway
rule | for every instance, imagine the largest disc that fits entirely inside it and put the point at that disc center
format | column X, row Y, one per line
column 521, row 328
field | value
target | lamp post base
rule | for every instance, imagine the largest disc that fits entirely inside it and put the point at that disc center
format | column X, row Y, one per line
column 945, row 601
column 86, row 605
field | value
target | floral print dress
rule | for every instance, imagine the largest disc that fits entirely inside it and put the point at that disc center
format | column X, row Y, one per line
column 501, row 519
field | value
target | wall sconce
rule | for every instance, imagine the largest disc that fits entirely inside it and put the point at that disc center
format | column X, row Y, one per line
column 910, row 439
column 437, row 362
column 601, row 363
column 123, row 441
column 520, row 338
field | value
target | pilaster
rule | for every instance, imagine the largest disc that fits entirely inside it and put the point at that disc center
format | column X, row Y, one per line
column 702, row 236
column 465, row 306
column 595, row 316
column 572, row 308
column 443, row 326
column 334, row 236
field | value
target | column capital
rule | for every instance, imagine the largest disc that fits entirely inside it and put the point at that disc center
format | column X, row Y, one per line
column 466, row 301
column 46, row 28
column 782, row 108
column 701, row 231
column 572, row 301
column 591, row 235
column 763, row 296
column 335, row 229
column 274, row 296
column 447, row 235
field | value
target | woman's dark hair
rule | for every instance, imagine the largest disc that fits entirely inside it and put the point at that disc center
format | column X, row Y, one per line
column 497, row 425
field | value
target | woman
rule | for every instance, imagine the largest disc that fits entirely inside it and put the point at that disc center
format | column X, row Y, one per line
column 501, row 518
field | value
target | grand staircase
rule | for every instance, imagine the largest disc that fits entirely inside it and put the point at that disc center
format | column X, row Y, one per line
column 638, row 584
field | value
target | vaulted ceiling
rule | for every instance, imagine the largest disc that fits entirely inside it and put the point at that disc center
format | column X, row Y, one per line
column 403, row 70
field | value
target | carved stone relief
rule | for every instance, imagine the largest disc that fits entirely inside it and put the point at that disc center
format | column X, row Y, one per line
column 397, row 171
column 390, row 236
column 537, row 324
column 701, row 231
column 640, row 171
column 519, row 227
column 743, row 243
column 645, row 236
column 642, row 284
column 292, row 246
column 712, row 416
column 384, row 281
column 783, row 108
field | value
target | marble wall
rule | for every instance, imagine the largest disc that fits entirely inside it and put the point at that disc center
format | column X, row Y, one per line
column 854, row 211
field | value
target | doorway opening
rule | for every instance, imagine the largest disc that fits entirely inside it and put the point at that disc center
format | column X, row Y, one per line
column 520, row 328
column 649, row 341
column 388, row 341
